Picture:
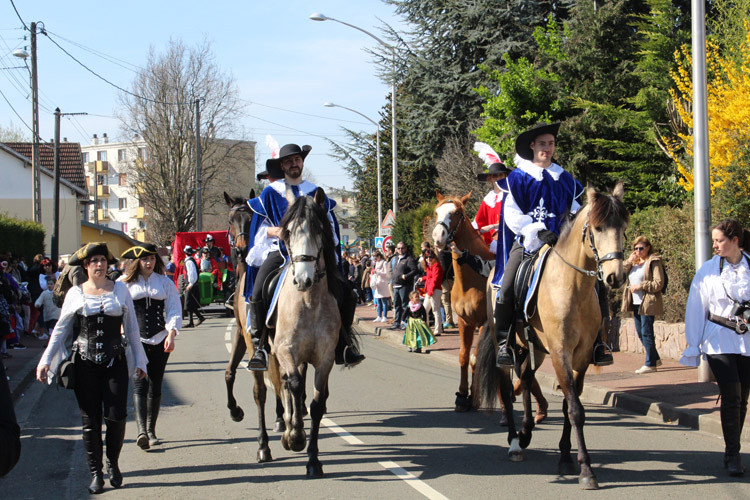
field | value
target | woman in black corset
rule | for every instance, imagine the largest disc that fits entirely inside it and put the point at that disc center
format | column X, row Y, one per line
column 157, row 306
column 94, row 313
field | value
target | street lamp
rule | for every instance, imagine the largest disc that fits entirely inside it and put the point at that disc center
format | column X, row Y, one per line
column 321, row 17
column 377, row 148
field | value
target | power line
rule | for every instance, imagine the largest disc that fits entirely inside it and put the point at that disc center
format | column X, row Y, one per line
column 19, row 15
column 16, row 112
column 301, row 113
column 114, row 60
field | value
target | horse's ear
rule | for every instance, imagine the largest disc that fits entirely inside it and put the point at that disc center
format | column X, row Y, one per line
column 228, row 199
column 252, row 194
column 590, row 193
column 439, row 196
column 465, row 199
column 619, row 191
column 320, row 196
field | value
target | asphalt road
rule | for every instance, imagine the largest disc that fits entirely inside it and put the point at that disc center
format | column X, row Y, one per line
column 390, row 432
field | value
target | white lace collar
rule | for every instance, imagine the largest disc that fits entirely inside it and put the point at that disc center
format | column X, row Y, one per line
column 736, row 280
column 535, row 171
column 280, row 186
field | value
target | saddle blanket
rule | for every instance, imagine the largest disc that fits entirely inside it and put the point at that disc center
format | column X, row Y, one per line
column 270, row 315
column 529, row 305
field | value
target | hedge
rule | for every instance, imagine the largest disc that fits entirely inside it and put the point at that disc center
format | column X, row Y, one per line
column 21, row 237
column 415, row 226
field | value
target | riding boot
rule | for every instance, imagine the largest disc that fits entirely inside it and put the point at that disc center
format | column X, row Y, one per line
column 259, row 359
column 504, row 335
column 346, row 353
column 114, row 440
column 153, row 413
column 201, row 318
column 602, row 353
column 92, row 444
column 190, row 324
column 731, row 427
column 140, row 408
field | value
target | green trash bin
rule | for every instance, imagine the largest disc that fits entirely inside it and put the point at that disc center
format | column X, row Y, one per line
column 206, row 288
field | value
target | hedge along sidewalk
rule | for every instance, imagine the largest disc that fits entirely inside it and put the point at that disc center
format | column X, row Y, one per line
column 671, row 395
column 21, row 237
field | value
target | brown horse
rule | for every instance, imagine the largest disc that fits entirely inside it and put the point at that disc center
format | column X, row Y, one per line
column 468, row 293
column 566, row 322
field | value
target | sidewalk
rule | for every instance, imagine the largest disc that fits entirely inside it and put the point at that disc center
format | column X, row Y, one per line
column 21, row 368
column 672, row 394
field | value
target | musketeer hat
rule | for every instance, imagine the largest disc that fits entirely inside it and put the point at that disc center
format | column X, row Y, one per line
column 286, row 150
column 495, row 168
column 89, row 250
column 273, row 169
column 188, row 250
column 524, row 140
column 138, row 251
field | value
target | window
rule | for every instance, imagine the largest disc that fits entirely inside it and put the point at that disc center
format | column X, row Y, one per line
column 124, row 227
column 85, row 157
column 102, row 203
column 101, row 155
column 123, row 179
column 345, row 225
column 121, row 155
column 123, row 203
column 102, row 180
column 142, row 154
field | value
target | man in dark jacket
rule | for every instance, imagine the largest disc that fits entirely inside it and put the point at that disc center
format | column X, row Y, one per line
column 404, row 272
column 446, row 262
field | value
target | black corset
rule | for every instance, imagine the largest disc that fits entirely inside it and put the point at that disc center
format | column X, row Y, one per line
column 99, row 339
column 150, row 314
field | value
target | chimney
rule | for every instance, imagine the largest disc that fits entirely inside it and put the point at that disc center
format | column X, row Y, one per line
column 94, row 140
column 105, row 139
column 65, row 139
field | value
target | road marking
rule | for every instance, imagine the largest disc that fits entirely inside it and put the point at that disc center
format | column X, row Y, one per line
column 392, row 467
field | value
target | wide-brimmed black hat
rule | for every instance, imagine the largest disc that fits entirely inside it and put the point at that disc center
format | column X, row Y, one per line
column 286, row 150
column 89, row 250
column 524, row 140
column 273, row 169
column 139, row 251
column 495, row 168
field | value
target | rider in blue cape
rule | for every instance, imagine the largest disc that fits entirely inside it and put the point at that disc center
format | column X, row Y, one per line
column 266, row 252
column 542, row 196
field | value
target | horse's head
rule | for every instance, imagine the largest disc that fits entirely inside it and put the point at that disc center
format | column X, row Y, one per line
column 449, row 213
column 240, row 216
column 607, row 221
column 307, row 234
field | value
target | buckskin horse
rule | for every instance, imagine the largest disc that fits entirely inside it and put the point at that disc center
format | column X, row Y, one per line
column 566, row 320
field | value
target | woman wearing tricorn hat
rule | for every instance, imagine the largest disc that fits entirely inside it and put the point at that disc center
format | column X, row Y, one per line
column 101, row 361
column 487, row 220
column 159, row 313
column 541, row 197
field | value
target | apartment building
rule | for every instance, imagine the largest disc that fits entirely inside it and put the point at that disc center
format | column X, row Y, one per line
column 346, row 213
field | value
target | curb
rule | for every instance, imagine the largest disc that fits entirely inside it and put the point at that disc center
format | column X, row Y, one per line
column 598, row 395
column 19, row 385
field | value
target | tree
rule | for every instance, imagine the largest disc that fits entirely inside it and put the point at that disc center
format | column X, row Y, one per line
column 12, row 133
column 161, row 109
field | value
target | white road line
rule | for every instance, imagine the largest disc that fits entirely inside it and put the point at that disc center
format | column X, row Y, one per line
column 392, row 467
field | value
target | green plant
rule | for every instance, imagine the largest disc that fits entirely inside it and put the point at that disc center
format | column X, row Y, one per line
column 21, row 237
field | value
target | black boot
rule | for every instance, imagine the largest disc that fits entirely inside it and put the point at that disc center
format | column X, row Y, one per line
column 190, row 324
column 92, row 444
column 504, row 335
column 114, row 440
column 259, row 359
column 346, row 354
column 140, row 408
column 731, row 426
column 153, row 413
column 201, row 318
column 602, row 352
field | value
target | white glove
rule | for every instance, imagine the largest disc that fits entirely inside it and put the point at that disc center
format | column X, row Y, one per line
column 529, row 233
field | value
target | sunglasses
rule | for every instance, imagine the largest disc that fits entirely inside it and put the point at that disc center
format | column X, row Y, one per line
column 639, row 248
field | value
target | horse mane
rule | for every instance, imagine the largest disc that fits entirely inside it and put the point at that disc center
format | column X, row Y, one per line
column 603, row 210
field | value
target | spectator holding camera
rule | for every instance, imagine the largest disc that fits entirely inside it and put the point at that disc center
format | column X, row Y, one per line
column 716, row 325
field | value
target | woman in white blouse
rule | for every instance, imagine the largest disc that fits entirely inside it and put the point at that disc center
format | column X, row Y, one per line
column 95, row 313
column 716, row 325
column 159, row 313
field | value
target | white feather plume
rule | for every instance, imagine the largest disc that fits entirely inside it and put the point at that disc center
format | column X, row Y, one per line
column 273, row 145
column 486, row 153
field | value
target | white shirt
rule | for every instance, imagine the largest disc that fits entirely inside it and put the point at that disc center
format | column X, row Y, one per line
column 114, row 303
column 635, row 277
column 159, row 287
column 191, row 268
column 51, row 311
column 708, row 294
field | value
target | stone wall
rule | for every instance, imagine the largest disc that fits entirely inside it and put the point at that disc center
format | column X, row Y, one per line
column 670, row 337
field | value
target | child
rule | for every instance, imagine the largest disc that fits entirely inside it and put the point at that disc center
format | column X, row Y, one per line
column 51, row 311
column 432, row 287
column 417, row 332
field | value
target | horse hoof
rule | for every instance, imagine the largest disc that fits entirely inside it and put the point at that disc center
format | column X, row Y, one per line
column 237, row 414
column 280, row 426
column 264, row 456
column 524, row 439
column 304, row 410
column 566, row 468
column 314, row 469
column 540, row 417
column 285, row 441
column 515, row 453
column 463, row 402
column 503, row 419
column 588, row 483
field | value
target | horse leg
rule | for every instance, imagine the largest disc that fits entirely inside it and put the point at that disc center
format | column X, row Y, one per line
column 317, row 410
column 303, row 373
column 565, row 465
column 295, row 430
column 505, row 391
column 259, row 394
column 239, row 348
column 541, row 402
column 280, row 426
column 526, row 376
column 474, row 392
column 466, row 330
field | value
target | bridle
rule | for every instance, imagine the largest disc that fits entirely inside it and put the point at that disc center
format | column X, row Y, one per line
column 452, row 232
column 597, row 273
column 319, row 272
column 243, row 234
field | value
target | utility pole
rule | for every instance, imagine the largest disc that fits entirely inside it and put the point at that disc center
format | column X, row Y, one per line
column 35, row 174
column 198, row 169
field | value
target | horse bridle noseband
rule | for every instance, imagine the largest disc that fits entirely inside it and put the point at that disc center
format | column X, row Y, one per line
column 319, row 273
column 246, row 234
column 452, row 232
column 598, row 273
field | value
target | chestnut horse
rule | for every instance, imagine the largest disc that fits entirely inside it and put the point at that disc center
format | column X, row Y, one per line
column 566, row 322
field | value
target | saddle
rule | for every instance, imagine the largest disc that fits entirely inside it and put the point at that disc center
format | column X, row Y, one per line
column 525, row 289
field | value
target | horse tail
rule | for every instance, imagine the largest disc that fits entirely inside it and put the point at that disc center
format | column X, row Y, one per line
column 487, row 374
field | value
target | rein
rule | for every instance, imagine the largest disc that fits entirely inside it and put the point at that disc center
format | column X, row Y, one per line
column 597, row 273
column 246, row 234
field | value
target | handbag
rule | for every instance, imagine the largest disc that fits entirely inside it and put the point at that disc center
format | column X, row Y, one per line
column 66, row 373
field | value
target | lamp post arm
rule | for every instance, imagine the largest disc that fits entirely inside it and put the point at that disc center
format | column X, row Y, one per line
column 360, row 114
column 381, row 42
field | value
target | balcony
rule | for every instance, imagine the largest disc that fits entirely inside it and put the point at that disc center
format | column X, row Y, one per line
column 140, row 235
column 102, row 190
column 103, row 214
column 140, row 212
column 98, row 167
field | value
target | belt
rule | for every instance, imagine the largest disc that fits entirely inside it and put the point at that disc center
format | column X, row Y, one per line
column 739, row 326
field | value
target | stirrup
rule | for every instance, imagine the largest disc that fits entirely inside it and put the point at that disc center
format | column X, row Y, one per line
column 357, row 359
column 511, row 354
column 605, row 358
column 265, row 361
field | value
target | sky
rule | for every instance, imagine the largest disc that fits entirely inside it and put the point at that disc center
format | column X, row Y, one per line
column 278, row 57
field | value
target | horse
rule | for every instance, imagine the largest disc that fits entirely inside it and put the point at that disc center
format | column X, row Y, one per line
column 565, row 322
column 468, row 293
